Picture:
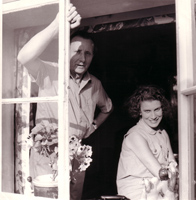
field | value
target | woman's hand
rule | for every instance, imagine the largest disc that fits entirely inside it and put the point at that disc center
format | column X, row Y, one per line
column 173, row 182
column 173, row 177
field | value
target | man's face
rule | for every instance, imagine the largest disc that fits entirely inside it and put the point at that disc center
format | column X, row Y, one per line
column 151, row 112
column 81, row 55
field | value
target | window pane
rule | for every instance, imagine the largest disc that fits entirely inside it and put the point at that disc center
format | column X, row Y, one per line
column 19, row 169
column 16, row 80
column 8, row 79
column 16, row 33
column 7, row 148
column 16, row 125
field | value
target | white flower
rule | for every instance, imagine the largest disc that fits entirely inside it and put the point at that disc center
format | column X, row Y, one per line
column 73, row 139
column 80, row 150
column 88, row 151
column 73, row 147
column 85, row 164
column 82, row 153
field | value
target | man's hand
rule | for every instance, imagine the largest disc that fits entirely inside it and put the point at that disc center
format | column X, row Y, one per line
column 89, row 131
column 73, row 17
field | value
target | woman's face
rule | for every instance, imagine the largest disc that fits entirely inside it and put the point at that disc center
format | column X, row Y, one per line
column 151, row 113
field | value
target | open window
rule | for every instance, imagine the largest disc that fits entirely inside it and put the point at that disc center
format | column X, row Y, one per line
column 19, row 98
column 135, row 45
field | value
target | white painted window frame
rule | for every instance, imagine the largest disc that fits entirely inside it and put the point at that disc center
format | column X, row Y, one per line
column 185, row 27
column 186, row 62
column 62, row 98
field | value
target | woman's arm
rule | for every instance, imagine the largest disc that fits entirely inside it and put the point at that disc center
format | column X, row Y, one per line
column 138, row 144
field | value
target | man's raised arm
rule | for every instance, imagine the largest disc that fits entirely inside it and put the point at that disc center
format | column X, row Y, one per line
column 29, row 54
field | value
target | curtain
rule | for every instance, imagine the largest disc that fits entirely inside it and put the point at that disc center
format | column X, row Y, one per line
column 135, row 23
column 23, row 122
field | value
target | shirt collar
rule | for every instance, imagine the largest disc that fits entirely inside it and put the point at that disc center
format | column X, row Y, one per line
column 148, row 129
column 85, row 79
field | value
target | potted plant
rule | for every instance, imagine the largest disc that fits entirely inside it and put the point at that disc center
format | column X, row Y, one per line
column 44, row 139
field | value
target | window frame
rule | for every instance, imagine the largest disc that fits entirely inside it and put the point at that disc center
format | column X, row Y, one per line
column 186, row 60
column 62, row 99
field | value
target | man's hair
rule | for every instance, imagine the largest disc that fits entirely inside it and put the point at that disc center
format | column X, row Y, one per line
column 84, row 35
column 146, row 93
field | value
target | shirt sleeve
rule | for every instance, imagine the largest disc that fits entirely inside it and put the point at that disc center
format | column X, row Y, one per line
column 48, row 72
column 104, row 102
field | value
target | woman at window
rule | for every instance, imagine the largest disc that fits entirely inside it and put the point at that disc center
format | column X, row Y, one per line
column 146, row 157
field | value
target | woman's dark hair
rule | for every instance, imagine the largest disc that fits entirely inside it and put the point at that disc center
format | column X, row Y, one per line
column 84, row 35
column 146, row 93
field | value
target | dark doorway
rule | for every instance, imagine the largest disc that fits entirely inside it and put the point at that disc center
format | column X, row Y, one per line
column 126, row 59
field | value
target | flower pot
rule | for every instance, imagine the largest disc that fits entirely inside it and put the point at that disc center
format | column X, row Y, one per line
column 44, row 186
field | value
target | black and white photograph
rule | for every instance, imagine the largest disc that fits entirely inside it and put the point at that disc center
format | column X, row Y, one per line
column 98, row 99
